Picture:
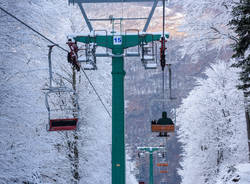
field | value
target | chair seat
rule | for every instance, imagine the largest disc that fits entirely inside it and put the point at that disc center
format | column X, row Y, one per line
column 63, row 124
column 148, row 58
column 162, row 128
column 151, row 66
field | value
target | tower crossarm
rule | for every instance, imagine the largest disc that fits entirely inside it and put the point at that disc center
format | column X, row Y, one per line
column 150, row 149
column 109, row 1
column 113, row 41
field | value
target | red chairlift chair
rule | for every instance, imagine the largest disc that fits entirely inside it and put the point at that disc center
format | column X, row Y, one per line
column 62, row 124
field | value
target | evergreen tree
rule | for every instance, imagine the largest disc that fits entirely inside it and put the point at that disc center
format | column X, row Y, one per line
column 241, row 25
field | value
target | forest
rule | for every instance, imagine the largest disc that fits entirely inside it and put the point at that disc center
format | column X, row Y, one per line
column 209, row 54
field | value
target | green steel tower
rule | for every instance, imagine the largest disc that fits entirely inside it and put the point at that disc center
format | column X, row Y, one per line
column 150, row 150
column 117, row 43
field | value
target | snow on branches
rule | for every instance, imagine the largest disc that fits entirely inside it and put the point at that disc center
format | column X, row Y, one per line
column 206, row 25
column 212, row 127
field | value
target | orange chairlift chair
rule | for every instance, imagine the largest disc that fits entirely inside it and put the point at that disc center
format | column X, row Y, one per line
column 164, row 125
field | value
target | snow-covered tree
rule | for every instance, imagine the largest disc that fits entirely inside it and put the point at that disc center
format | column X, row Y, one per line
column 212, row 126
column 205, row 25
column 29, row 153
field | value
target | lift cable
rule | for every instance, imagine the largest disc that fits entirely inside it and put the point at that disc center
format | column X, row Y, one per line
column 163, row 59
column 99, row 97
column 32, row 29
column 46, row 38
column 163, row 91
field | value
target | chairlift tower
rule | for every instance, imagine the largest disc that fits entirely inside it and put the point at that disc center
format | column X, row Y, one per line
column 150, row 150
column 117, row 42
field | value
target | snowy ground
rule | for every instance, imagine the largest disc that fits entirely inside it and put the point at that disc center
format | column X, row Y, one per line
column 240, row 174
column 244, row 173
